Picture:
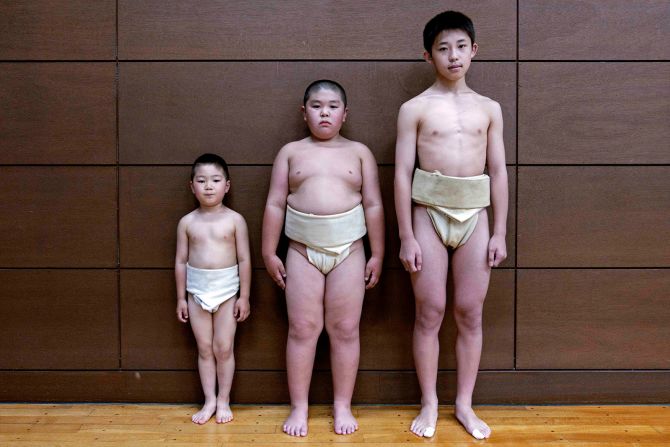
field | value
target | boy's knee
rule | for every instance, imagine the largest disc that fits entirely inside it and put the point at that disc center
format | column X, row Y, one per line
column 468, row 319
column 304, row 329
column 205, row 350
column 343, row 330
column 430, row 317
column 222, row 350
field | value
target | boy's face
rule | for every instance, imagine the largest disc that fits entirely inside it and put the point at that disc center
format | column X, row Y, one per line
column 324, row 113
column 209, row 185
column 452, row 54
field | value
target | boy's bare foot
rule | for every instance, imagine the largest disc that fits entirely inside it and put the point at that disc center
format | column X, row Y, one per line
column 424, row 424
column 296, row 422
column 473, row 425
column 205, row 413
column 223, row 413
column 345, row 423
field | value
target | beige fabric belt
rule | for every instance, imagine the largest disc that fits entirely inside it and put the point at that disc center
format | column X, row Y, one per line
column 330, row 233
column 459, row 198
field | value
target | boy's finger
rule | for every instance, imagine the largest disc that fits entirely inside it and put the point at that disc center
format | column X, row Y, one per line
column 419, row 261
column 492, row 257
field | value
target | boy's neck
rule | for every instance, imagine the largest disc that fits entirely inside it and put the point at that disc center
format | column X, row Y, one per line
column 319, row 141
column 210, row 209
column 447, row 86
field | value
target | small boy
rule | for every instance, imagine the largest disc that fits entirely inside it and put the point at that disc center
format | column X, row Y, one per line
column 325, row 189
column 454, row 133
column 212, row 264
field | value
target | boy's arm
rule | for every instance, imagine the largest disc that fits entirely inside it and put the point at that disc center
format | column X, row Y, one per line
column 495, row 159
column 273, row 218
column 405, row 156
column 181, row 258
column 242, row 308
column 374, row 217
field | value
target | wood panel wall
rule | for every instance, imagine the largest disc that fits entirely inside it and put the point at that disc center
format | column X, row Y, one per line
column 104, row 105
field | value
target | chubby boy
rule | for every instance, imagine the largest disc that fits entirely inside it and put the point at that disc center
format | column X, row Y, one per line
column 454, row 134
column 325, row 191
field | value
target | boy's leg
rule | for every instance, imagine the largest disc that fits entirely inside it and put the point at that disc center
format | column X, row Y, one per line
column 304, row 303
column 201, row 323
column 345, row 289
column 430, row 295
column 471, row 280
column 224, row 342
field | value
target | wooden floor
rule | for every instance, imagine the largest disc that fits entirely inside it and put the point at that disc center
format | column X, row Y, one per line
column 149, row 425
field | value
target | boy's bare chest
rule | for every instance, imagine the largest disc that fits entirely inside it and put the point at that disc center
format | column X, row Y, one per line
column 220, row 231
column 454, row 121
column 325, row 164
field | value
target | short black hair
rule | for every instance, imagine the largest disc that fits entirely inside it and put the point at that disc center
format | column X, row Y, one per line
column 445, row 21
column 324, row 84
column 210, row 159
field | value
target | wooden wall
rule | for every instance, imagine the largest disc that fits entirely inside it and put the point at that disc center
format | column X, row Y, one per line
column 104, row 104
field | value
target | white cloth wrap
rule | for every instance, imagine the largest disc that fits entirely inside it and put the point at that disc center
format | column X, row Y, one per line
column 327, row 237
column 212, row 287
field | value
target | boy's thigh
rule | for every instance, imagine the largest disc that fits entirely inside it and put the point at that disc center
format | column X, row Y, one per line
column 305, row 285
column 224, row 321
column 469, row 265
column 345, row 285
column 429, row 283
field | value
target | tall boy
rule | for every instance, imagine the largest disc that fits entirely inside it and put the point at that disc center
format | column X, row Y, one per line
column 325, row 190
column 212, row 265
column 454, row 133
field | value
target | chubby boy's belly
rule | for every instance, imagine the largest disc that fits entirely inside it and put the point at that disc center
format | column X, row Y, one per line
column 325, row 196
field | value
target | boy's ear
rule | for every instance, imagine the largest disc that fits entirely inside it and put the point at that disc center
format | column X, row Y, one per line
column 227, row 186
column 427, row 56
column 475, row 47
column 346, row 111
column 191, row 185
column 304, row 113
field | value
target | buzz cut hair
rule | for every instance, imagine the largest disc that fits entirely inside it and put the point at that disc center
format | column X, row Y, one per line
column 210, row 159
column 326, row 84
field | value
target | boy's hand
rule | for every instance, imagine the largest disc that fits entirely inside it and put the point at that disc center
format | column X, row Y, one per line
column 410, row 255
column 276, row 269
column 182, row 310
column 372, row 271
column 242, row 309
column 497, row 250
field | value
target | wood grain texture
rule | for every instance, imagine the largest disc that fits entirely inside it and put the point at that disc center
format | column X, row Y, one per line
column 153, row 199
column 152, row 338
column 58, row 217
column 387, row 29
column 58, row 113
column 379, row 426
column 593, row 216
column 57, row 29
column 385, row 387
column 574, row 113
column 60, row 319
column 593, row 30
column 603, row 317
column 388, row 321
column 171, row 112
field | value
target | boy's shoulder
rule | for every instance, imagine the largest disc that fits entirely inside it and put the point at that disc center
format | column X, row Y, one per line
column 195, row 217
column 424, row 100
